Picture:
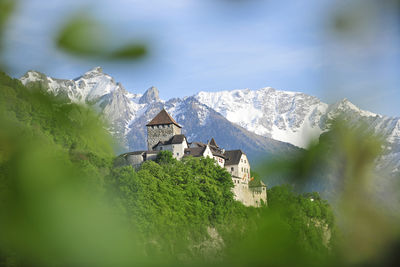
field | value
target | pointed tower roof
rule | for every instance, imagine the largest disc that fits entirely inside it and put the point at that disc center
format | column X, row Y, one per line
column 213, row 143
column 163, row 118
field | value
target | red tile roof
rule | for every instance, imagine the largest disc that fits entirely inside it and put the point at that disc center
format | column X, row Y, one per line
column 163, row 118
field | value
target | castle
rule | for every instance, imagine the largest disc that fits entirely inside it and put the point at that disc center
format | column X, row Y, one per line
column 164, row 133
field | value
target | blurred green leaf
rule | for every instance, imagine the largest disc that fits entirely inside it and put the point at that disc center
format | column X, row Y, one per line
column 129, row 52
column 83, row 36
column 7, row 7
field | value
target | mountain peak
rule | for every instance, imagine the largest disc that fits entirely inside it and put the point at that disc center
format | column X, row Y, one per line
column 346, row 106
column 151, row 95
column 33, row 76
column 97, row 69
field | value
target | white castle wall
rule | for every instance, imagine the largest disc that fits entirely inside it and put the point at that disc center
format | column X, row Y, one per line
column 252, row 196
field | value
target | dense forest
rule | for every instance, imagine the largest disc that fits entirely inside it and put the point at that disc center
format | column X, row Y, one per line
column 64, row 200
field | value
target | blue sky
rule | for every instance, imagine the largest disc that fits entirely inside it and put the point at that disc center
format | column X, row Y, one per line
column 212, row 45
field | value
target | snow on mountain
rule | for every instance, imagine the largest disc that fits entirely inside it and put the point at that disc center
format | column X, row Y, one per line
column 262, row 115
column 285, row 116
column 92, row 85
column 291, row 117
column 119, row 106
column 128, row 113
column 263, row 122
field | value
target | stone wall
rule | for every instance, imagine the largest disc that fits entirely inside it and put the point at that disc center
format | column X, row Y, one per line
column 134, row 160
column 250, row 196
column 157, row 133
column 151, row 156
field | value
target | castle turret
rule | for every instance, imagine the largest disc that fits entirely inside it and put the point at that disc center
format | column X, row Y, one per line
column 162, row 128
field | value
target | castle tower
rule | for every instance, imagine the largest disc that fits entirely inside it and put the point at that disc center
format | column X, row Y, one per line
column 162, row 128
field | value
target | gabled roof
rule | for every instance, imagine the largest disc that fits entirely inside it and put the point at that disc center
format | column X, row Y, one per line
column 163, row 118
column 132, row 153
column 213, row 143
column 176, row 139
column 194, row 151
column 197, row 144
column 233, row 157
column 217, row 152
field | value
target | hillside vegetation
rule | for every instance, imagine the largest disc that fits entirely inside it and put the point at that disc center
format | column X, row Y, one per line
column 64, row 202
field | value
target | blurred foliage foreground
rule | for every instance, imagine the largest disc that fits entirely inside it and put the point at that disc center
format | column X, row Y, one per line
column 62, row 202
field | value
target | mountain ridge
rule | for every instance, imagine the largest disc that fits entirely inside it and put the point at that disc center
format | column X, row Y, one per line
column 265, row 117
column 128, row 113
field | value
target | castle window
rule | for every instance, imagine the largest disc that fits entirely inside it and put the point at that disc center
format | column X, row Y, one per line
column 177, row 154
column 232, row 169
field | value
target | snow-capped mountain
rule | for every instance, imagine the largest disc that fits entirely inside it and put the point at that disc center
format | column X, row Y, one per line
column 290, row 117
column 263, row 122
column 128, row 113
column 297, row 118
column 254, row 120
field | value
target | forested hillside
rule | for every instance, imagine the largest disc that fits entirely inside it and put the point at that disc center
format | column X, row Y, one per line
column 65, row 201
